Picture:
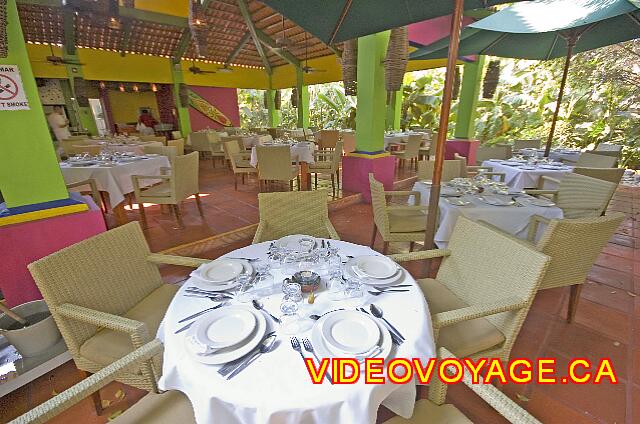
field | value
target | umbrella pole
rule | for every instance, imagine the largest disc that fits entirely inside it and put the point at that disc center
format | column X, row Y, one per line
column 447, row 95
column 571, row 43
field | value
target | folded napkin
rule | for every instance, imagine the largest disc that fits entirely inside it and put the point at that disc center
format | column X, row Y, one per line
column 200, row 348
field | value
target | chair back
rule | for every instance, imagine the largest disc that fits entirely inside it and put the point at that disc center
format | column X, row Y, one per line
column 336, row 157
column 379, row 205
column 108, row 272
column 608, row 147
column 485, row 266
column 464, row 173
column 274, row 162
column 496, row 151
column 68, row 145
column 613, row 175
column 162, row 139
column 412, row 148
column 349, row 142
column 294, row 212
column 200, row 141
column 169, row 151
column 526, row 144
column 231, row 150
column 574, row 245
column 328, row 139
column 176, row 134
column 92, row 149
column 178, row 143
column 451, row 169
column 593, row 160
column 185, row 175
column 580, row 196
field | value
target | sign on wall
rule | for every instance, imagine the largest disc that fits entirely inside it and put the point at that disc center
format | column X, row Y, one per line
column 12, row 95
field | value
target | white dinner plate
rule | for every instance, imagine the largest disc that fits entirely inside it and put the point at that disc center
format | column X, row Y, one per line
column 535, row 201
column 225, row 327
column 382, row 282
column 228, row 354
column 350, row 332
column 456, row 201
column 552, row 167
column 323, row 350
column 206, row 284
column 512, row 163
column 220, row 270
column 495, row 200
column 292, row 242
column 152, row 155
column 372, row 266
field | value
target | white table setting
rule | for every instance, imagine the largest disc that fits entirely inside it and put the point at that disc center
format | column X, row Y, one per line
column 242, row 361
column 112, row 173
column 506, row 208
column 253, row 140
column 557, row 154
column 302, row 151
column 523, row 173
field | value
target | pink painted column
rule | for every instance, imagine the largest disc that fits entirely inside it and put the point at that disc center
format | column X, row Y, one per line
column 466, row 148
column 356, row 170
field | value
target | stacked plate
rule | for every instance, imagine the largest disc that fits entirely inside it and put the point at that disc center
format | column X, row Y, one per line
column 496, row 200
column 225, row 334
column 374, row 270
column 222, row 274
column 350, row 334
column 296, row 242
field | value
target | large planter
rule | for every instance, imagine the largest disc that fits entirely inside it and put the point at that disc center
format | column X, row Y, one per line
column 36, row 338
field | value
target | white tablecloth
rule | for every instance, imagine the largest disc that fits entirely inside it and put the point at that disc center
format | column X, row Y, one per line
column 116, row 180
column 253, row 140
column 518, row 178
column 302, row 152
column 555, row 154
column 276, row 388
column 395, row 139
column 512, row 219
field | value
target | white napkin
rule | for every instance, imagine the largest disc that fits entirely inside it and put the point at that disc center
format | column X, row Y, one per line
column 200, row 348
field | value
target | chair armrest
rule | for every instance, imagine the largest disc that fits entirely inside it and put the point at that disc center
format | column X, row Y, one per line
column 534, row 192
column 52, row 407
column 408, row 208
column 95, row 194
column 420, row 255
column 151, row 177
column 165, row 170
column 546, row 178
column 444, row 319
column 534, row 221
column 159, row 258
column 417, row 195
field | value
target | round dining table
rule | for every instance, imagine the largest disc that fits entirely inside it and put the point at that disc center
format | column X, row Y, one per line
column 276, row 388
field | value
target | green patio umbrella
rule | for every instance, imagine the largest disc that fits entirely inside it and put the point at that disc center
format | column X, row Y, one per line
column 546, row 29
column 334, row 21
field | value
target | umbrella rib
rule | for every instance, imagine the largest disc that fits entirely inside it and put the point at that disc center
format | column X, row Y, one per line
column 493, row 43
column 634, row 18
column 345, row 11
column 553, row 46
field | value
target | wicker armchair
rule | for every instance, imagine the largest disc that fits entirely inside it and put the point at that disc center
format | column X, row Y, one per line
column 594, row 160
column 328, row 163
column 450, row 169
column 274, row 164
column 73, row 146
column 495, row 151
column 169, row 407
column 162, row 139
column 169, row 151
column 92, row 187
column 303, row 212
column 435, row 411
column 107, row 298
column 208, row 144
column 178, row 143
column 327, row 139
column 239, row 161
column 483, row 290
column 579, row 196
column 180, row 183
column 573, row 245
column 613, row 175
column 396, row 223
column 526, row 144
column 471, row 171
column 411, row 150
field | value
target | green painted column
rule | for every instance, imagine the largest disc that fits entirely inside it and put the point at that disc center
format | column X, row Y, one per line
column 372, row 95
column 303, row 100
column 184, row 122
column 83, row 114
column 394, row 109
column 273, row 118
column 29, row 170
column 469, row 93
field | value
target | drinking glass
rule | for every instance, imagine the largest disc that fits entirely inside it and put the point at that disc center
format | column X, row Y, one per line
column 246, row 286
column 289, row 319
column 335, row 288
column 353, row 292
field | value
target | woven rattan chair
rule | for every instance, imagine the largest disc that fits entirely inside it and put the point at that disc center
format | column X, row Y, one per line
column 328, row 139
column 327, row 163
column 303, row 212
column 471, row 171
column 92, row 149
column 176, row 134
column 178, row 143
column 608, row 147
column 107, row 298
column 613, row 175
column 274, row 164
column 435, row 411
column 450, row 169
column 169, row 151
column 168, row 407
column 239, row 161
column 495, row 151
column 483, row 290
column 90, row 186
column 573, row 245
column 394, row 222
column 162, row 139
column 593, row 160
column 208, row 144
column 178, row 184
column 410, row 151
column 69, row 145
column 526, row 144
column 579, row 196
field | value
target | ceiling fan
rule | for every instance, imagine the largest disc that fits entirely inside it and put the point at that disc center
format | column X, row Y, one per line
column 196, row 71
column 282, row 42
column 59, row 60
column 306, row 68
column 225, row 69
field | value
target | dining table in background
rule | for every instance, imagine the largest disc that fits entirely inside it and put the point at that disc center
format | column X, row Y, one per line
column 301, row 152
column 277, row 388
column 115, row 180
column 521, row 175
column 132, row 147
column 250, row 141
column 511, row 219
column 558, row 154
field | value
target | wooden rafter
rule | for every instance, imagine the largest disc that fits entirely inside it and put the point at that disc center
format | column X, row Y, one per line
column 246, row 15
column 239, row 47
column 284, row 54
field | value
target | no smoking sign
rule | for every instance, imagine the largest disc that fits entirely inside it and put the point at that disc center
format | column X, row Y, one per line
column 12, row 95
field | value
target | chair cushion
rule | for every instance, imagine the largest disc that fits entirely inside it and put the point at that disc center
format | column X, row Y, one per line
column 158, row 190
column 107, row 346
column 407, row 221
column 243, row 163
column 464, row 338
column 169, row 407
column 426, row 412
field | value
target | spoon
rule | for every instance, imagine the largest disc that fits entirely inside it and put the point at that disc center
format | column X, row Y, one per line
column 266, row 346
column 377, row 312
column 316, row 317
column 256, row 304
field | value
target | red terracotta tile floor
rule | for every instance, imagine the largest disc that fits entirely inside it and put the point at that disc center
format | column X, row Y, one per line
column 607, row 322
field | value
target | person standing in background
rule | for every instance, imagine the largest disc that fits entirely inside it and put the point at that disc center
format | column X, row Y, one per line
column 146, row 122
column 59, row 124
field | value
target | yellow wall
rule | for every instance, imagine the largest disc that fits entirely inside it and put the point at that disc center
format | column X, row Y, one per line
column 41, row 68
column 239, row 78
column 125, row 106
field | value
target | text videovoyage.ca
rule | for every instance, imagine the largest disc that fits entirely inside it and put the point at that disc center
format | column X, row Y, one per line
column 452, row 370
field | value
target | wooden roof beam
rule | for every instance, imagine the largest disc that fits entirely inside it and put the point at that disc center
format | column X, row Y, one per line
column 240, row 46
column 246, row 15
column 284, row 54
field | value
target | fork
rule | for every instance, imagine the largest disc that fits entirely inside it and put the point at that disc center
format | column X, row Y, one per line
column 378, row 293
column 295, row 344
column 309, row 348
